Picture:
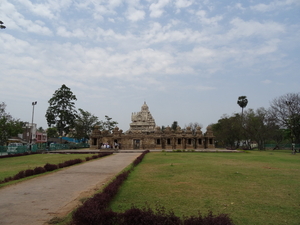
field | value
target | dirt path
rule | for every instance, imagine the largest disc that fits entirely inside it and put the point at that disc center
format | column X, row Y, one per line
column 36, row 201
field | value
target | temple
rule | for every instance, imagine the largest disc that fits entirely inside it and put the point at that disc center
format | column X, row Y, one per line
column 142, row 121
column 144, row 134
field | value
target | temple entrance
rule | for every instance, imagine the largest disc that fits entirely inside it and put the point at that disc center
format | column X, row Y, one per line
column 136, row 143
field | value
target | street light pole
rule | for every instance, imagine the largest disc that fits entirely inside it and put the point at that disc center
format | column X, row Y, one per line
column 33, row 104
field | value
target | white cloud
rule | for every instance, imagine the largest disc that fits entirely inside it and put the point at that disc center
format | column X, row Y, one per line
column 15, row 20
column 243, row 28
column 208, row 20
column 134, row 14
column 62, row 31
column 157, row 9
column 274, row 5
column 183, row 3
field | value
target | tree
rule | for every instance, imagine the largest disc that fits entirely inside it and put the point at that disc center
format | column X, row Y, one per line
column 1, row 25
column 174, row 125
column 108, row 124
column 286, row 111
column 227, row 131
column 61, row 113
column 242, row 102
column 259, row 126
column 84, row 124
column 52, row 132
column 41, row 129
column 9, row 126
column 193, row 126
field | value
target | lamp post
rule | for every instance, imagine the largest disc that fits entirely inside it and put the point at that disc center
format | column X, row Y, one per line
column 33, row 104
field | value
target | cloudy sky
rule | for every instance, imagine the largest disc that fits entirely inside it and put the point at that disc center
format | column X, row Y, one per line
column 189, row 60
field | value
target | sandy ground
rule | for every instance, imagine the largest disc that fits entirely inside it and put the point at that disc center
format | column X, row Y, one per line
column 36, row 201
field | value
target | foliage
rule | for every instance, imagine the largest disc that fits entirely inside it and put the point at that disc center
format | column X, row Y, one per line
column 84, row 124
column 193, row 126
column 1, row 25
column 242, row 102
column 90, row 212
column 107, row 124
column 174, row 125
column 286, row 111
column 40, row 129
column 228, row 131
column 259, row 126
column 52, row 132
column 9, row 126
column 61, row 111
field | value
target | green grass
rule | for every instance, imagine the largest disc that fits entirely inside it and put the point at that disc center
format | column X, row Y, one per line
column 11, row 166
column 253, row 188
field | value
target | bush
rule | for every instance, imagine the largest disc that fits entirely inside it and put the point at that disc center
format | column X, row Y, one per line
column 39, row 170
column 50, row 167
column 209, row 219
column 29, row 173
column 19, row 175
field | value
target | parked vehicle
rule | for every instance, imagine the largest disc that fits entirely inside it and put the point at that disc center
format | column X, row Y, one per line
column 13, row 147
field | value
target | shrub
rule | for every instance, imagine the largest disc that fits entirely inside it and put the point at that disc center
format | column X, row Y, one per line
column 209, row 219
column 50, row 167
column 39, row 170
column 95, row 157
column 19, row 175
column 29, row 173
column 61, row 165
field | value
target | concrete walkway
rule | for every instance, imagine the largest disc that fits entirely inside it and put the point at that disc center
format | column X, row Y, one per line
column 36, row 201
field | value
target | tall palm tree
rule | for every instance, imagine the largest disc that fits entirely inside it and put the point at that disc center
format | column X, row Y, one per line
column 242, row 102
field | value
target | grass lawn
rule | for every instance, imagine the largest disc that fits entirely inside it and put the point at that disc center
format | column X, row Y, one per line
column 11, row 166
column 253, row 188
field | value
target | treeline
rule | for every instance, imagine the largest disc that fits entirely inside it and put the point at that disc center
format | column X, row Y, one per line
column 278, row 124
column 62, row 118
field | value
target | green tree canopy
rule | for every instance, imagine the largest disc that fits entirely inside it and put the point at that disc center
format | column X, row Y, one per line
column 259, row 126
column 242, row 102
column 9, row 126
column 52, row 132
column 286, row 111
column 228, row 131
column 61, row 111
column 107, row 124
column 174, row 125
column 84, row 124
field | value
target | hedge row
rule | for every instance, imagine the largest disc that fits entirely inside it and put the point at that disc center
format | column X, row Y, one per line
column 95, row 211
column 49, row 167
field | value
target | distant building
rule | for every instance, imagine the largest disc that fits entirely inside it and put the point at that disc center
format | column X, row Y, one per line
column 32, row 135
column 143, row 134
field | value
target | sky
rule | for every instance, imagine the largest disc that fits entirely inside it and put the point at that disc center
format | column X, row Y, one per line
column 189, row 60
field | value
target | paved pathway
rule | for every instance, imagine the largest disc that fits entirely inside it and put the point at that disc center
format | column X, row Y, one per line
column 36, row 201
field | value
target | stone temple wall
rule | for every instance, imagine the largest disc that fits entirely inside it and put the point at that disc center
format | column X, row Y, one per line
column 166, row 139
column 143, row 134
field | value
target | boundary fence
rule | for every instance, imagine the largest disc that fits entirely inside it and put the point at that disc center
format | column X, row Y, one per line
column 6, row 150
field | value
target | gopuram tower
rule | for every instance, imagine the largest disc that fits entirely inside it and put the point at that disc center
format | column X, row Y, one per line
column 142, row 121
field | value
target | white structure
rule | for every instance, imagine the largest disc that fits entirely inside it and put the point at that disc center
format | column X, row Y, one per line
column 142, row 121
